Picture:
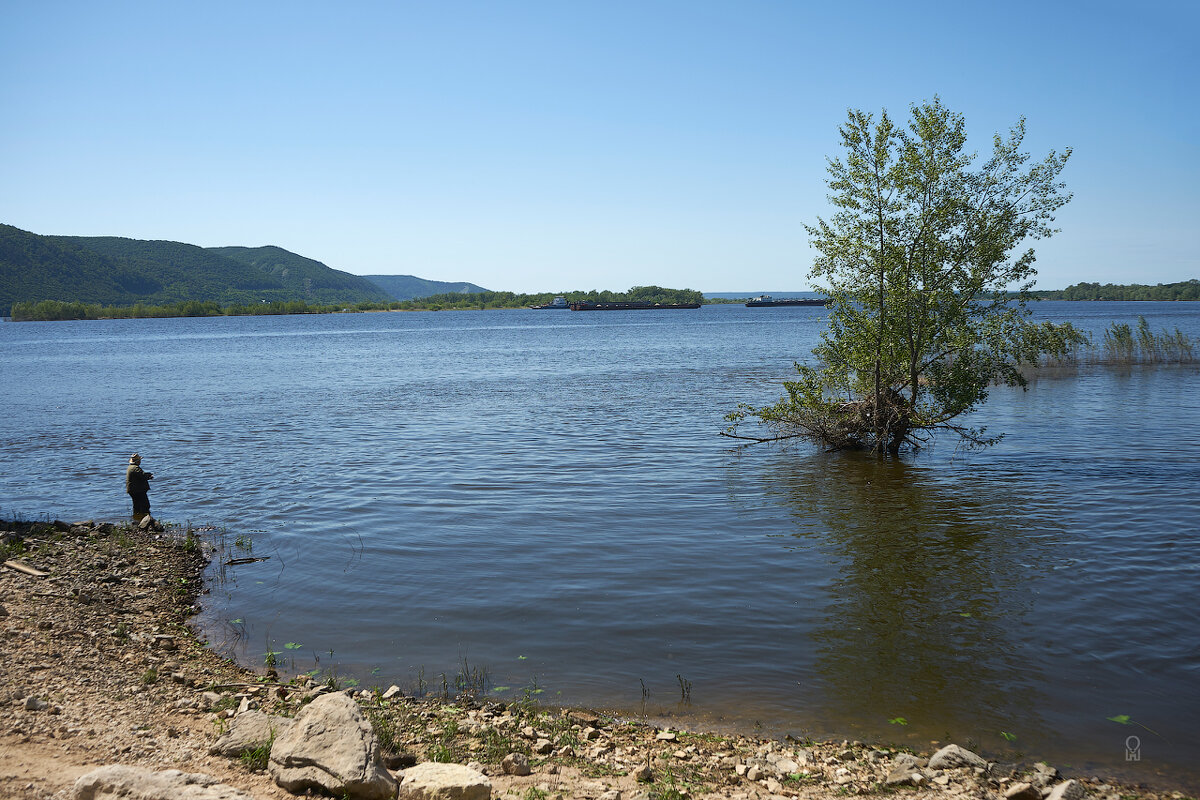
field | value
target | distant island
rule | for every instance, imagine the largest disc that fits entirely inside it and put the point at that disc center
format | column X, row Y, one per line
column 486, row 300
column 1183, row 290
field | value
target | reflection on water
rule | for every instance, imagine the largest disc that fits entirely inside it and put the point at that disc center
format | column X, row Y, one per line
column 931, row 577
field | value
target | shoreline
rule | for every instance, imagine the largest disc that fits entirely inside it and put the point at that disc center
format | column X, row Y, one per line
column 103, row 667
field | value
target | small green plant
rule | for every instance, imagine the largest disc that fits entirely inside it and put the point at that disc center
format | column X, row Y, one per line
column 799, row 779
column 666, row 788
column 256, row 759
column 534, row 793
column 898, row 721
column 150, row 676
column 191, row 542
column 122, row 631
column 244, row 543
column 443, row 753
column 1008, row 737
column 471, row 680
column 685, row 688
column 224, row 704
column 292, row 645
column 385, row 730
column 271, row 658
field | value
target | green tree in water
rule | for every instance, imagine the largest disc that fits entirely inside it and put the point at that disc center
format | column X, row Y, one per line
column 919, row 261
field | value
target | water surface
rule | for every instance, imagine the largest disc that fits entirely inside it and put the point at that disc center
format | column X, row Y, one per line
column 544, row 495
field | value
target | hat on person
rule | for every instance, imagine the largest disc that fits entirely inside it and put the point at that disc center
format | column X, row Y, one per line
column 135, row 458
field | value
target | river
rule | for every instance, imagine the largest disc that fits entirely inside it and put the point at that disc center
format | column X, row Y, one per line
column 543, row 496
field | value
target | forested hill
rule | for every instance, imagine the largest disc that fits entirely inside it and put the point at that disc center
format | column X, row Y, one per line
column 409, row 287
column 117, row 271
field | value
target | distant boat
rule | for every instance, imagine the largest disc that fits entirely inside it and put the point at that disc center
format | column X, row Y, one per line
column 637, row 305
column 557, row 304
column 765, row 300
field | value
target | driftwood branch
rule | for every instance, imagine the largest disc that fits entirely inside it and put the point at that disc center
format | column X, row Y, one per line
column 21, row 566
column 235, row 561
column 760, row 440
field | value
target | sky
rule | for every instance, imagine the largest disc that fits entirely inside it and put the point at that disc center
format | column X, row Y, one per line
column 579, row 144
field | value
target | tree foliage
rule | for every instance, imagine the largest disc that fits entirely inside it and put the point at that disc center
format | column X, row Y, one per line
column 920, row 258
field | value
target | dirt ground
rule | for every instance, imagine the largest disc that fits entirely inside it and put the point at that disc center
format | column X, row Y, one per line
column 99, row 667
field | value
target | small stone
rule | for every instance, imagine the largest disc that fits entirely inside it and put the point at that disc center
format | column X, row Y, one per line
column 900, row 775
column 435, row 781
column 393, row 691
column 952, row 756
column 33, row 703
column 516, row 764
column 611, row 794
column 643, row 774
column 942, row 780
column 584, row 718
column 543, row 747
column 666, row 736
column 591, row 734
column 1043, row 775
column 753, row 773
column 1068, row 790
column 1022, row 791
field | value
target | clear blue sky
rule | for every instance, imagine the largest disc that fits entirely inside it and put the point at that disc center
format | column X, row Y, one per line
column 577, row 144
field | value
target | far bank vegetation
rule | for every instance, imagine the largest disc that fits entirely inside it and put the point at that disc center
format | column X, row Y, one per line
column 51, row 310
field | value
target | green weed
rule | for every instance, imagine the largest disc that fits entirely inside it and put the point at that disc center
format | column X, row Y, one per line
column 256, row 759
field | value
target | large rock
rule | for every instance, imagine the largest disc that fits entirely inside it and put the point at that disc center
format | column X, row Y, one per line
column 433, row 781
column 952, row 756
column 134, row 783
column 250, row 731
column 330, row 747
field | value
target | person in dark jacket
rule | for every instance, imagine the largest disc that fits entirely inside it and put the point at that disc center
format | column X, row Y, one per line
column 137, row 484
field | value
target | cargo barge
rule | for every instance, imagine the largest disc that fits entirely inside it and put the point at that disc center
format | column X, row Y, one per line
column 640, row 305
column 766, row 300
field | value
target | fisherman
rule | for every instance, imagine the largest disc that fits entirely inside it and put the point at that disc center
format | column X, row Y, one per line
column 137, row 483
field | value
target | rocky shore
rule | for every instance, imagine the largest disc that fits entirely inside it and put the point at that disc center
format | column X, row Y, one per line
column 107, row 693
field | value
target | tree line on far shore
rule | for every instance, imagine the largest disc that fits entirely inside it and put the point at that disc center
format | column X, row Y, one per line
column 52, row 310
column 1181, row 290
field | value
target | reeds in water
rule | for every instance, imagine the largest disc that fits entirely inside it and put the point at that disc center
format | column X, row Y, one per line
column 1126, row 344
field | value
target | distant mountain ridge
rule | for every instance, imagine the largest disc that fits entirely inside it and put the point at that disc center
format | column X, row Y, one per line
column 410, row 287
column 111, row 270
